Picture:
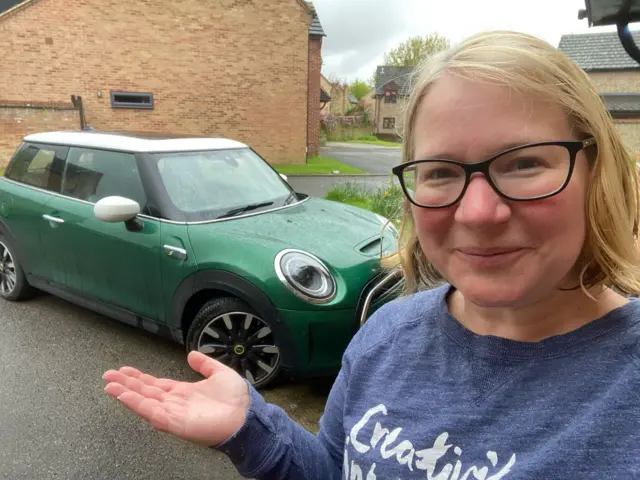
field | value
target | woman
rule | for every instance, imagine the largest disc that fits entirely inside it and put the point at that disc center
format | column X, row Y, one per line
column 524, row 363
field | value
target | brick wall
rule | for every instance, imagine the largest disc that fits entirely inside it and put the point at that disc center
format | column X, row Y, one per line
column 624, row 81
column 313, row 122
column 17, row 120
column 233, row 68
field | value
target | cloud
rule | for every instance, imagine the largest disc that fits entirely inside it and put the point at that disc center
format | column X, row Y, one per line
column 357, row 32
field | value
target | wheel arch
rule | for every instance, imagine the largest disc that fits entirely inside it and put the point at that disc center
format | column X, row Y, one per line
column 5, row 231
column 202, row 286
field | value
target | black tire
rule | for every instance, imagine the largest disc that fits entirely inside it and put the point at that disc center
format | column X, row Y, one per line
column 13, row 281
column 244, row 341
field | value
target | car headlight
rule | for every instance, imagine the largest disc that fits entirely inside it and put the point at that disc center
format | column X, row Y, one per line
column 305, row 275
column 385, row 222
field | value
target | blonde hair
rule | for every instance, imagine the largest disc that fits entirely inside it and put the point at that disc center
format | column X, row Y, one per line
column 526, row 64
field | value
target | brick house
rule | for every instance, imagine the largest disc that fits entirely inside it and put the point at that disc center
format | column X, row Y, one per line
column 616, row 76
column 244, row 69
column 390, row 98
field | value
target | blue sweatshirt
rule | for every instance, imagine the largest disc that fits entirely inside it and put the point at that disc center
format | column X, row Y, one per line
column 419, row 396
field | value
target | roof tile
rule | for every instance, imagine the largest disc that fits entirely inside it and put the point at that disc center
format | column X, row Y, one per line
column 399, row 75
column 598, row 51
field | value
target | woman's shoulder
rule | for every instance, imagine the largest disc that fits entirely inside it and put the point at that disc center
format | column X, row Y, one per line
column 628, row 336
column 403, row 313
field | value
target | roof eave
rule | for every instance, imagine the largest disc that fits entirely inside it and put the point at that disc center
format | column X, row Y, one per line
column 609, row 69
column 15, row 8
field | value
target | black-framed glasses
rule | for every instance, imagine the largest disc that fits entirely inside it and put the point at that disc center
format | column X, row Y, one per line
column 526, row 172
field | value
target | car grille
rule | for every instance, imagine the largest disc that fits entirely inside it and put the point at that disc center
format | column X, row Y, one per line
column 383, row 286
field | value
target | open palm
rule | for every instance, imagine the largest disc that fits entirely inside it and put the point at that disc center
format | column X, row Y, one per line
column 206, row 412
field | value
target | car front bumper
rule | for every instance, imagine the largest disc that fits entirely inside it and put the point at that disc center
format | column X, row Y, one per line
column 313, row 341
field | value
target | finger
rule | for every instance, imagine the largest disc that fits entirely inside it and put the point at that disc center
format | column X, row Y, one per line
column 131, row 371
column 138, row 404
column 204, row 364
column 165, row 384
column 135, row 385
column 149, row 410
column 115, row 389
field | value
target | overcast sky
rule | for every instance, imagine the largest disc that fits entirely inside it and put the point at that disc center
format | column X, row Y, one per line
column 360, row 31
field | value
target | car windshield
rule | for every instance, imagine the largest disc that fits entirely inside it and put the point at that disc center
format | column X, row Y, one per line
column 221, row 183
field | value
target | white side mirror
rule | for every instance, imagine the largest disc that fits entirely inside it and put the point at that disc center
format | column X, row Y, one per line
column 284, row 177
column 116, row 209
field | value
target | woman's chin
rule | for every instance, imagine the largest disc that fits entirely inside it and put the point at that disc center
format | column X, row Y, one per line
column 493, row 294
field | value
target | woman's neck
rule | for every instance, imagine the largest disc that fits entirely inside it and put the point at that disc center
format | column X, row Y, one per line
column 560, row 313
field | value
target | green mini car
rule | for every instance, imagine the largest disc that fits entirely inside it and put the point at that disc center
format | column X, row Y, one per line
column 199, row 240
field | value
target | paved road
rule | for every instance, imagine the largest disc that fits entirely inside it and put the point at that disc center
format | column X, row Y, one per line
column 376, row 161
column 370, row 158
column 57, row 423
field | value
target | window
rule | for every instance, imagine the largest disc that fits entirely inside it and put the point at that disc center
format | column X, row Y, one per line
column 132, row 100
column 92, row 175
column 204, row 185
column 389, row 122
column 391, row 98
column 38, row 165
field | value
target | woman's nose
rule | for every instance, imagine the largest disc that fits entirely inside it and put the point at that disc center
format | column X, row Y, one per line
column 481, row 204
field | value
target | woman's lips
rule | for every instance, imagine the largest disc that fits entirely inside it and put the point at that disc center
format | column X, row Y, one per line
column 489, row 257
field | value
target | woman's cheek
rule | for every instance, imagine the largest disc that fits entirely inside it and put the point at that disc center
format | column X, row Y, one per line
column 432, row 222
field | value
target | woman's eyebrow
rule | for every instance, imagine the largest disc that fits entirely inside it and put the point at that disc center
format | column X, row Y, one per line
column 449, row 155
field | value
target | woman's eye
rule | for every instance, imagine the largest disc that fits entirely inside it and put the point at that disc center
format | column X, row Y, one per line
column 439, row 174
column 524, row 163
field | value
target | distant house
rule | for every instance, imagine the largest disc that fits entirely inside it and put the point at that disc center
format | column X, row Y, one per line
column 616, row 76
column 338, row 99
column 390, row 96
column 325, row 95
column 248, row 70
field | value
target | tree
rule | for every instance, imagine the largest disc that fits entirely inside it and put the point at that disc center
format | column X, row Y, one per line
column 415, row 49
column 359, row 89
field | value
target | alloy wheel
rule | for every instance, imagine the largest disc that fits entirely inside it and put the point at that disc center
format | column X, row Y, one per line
column 243, row 342
column 8, row 276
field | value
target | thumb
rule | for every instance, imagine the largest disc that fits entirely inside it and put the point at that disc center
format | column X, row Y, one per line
column 204, row 364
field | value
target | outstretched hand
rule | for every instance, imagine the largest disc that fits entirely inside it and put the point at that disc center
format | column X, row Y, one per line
column 206, row 412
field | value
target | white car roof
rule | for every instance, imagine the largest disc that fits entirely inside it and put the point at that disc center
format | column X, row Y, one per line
column 139, row 143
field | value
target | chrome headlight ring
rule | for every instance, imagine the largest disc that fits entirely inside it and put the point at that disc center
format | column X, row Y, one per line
column 305, row 275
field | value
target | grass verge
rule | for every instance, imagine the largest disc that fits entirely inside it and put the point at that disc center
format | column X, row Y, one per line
column 381, row 143
column 386, row 201
column 373, row 140
column 317, row 166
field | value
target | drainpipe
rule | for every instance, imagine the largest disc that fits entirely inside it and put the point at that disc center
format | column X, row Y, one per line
column 76, row 100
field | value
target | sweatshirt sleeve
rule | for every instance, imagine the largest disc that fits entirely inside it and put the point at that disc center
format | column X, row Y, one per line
column 270, row 445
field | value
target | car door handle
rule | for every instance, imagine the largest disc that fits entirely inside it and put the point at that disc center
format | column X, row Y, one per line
column 175, row 252
column 50, row 218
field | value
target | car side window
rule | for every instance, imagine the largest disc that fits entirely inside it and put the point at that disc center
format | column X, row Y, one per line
column 38, row 165
column 92, row 175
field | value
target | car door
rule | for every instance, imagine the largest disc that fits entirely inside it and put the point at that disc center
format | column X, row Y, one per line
column 111, row 263
column 32, row 179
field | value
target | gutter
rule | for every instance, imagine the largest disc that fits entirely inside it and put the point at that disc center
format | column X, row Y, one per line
column 15, row 8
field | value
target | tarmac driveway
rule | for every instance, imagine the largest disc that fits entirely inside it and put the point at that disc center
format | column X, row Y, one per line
column 57, row 423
